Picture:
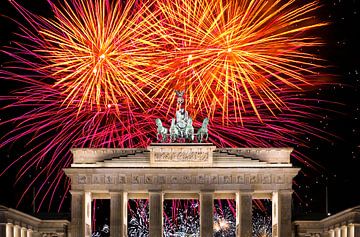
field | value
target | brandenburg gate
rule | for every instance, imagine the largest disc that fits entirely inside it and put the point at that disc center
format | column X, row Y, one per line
column 181, row 171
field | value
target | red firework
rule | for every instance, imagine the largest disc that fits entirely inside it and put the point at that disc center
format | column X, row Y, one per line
column 64, row 110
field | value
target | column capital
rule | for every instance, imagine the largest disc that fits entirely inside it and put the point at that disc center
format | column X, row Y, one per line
column 112, row 192
column 155, row 191
column 74, row 192
column 284, row 191
column 246, row 192
column 207, row 191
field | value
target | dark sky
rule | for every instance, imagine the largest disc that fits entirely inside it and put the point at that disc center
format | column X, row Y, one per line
column 339, row 157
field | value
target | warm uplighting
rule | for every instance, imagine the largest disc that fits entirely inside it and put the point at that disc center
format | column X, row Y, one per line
column 221, row 225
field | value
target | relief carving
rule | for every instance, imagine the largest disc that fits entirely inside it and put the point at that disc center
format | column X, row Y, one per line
column 136, row 179
column 279, row 179
column 253, row 179
column 187, row 179
column 149, row 179
column 227, row 179
column 240, row 179
column 82, row 179
column 161, row 179
column 214, row 179
column 109, row 179
column 98, row 179
column 200, row 179
column 246, row 178
column 122, row 179
column 181, row 156
column 174, row 180
column 266, row 179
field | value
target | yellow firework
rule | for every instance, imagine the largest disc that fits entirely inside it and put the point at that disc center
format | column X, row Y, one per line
column 238, row 54
column 98, row 52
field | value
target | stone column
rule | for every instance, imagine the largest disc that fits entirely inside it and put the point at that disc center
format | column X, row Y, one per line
column 29, row 233
column 9, row 230
column 344, row 232
column 206, row 213
column 16, row 231
column 80, row 214
column 281, row 213
column 118, row 214
column 354, row 230
column 23, row 232
column 244, row 214
column 331, row 233
column 156, row 201
column 337, row 232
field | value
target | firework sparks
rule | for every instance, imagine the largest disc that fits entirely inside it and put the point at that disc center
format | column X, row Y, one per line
column 94, row 72
column 96, row 52
column 228, row 54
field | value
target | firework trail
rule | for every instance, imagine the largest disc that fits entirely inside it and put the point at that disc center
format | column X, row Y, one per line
column 98, row 74
column 235, row 56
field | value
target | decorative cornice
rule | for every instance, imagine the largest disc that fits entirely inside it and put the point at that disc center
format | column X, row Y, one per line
column 181, row 155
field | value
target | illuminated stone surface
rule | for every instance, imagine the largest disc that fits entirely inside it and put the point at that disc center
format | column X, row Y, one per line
column 180, row 170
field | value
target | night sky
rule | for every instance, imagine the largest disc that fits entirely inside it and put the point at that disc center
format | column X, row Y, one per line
column 338, row 156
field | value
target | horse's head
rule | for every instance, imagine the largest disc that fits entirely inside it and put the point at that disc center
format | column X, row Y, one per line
column 158, row 122
column 206, row 121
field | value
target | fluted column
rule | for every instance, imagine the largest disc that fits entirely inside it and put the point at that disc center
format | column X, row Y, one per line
column 281, row 213
column 244, row 214
column 9, row 230
column 337, row 232
column 23, row 232
column 80, row 214
column 206, row 213
column 331, row 233
column 29, row 233
column 344, row 232
column 354, row 230
column 118, row 214
column 156, row 200
column 16, row 231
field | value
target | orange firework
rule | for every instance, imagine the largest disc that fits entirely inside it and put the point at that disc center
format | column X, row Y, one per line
column 96, row 51
column 233, row 53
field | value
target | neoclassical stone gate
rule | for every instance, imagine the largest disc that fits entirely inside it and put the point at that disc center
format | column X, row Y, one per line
column 181, row 171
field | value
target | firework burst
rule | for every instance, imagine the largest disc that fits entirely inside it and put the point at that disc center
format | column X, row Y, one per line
column 228, row 54
column 98, row 74
column 95, row 52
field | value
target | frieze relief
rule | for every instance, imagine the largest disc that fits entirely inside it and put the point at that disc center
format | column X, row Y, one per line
column 183, row 156
column 155, row 179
